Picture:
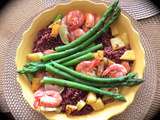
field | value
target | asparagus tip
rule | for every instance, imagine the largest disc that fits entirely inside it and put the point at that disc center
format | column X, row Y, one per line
column 140, row 81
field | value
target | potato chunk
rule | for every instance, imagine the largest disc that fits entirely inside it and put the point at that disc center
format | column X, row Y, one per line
column 124, row 38
column 114, row 30
column 70, row 108
column 80, row 105
column 36, row 83
column 91, row 98
column 99, row 54
column 117, row 43
column 98, row 105
column 128, row 55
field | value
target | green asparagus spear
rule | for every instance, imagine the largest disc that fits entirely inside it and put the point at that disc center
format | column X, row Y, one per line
column 131, row 82
column 85, row 77
column 71, row 57
column 61, row 82
column 75, row 61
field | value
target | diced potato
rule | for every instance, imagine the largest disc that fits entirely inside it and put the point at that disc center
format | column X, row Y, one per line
column 35, row 56
column 96, row 55
column 55, row 28
column 128, row 55
column 117, row 43
column 98, row 105
column 91, row 98
column 99, row 54
column 36, row 83
column 80, row 104
column 114, row 30
column 70, row 108
column 124, row 38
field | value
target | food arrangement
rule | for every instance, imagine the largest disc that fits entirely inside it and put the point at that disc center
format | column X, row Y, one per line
column 80, row 62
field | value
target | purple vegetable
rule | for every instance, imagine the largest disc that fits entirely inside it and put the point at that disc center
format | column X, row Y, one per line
column 105, row 38
column 114, row 55
column 72, row 96
column 44, row 41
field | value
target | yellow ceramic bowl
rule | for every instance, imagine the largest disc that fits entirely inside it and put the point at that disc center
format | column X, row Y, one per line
column 123, row 24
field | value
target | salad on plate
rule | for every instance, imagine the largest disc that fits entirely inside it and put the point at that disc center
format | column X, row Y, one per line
column 80, row 62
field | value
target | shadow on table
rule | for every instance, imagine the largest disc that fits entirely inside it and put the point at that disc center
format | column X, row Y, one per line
column 6, row 116
column 157, row 117
column 156, row 2
column 3, row 3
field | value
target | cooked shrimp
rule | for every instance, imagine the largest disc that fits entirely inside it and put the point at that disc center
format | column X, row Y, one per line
column 74, row 19
column 90, row 21
column 49, row 101
column 71, row 37
column 87, row 66
column 115, row 70
column 116, row 74
column 47, row 98
column 76, row 34
column 126, row 65
column 100, row 69
column 39, row 93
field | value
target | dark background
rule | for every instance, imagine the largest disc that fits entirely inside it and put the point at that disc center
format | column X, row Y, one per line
column 156, row 2
column 3, row 3
column 8, row 116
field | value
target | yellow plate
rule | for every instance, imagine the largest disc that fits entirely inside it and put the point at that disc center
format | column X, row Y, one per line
column 123, row 24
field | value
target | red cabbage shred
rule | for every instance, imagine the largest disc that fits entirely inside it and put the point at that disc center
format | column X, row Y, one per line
column 72, row 96
column 44, row 41
column 114, row 55
column 105, row 38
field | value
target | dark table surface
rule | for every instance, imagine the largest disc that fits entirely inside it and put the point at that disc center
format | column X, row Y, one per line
column 8, row 116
